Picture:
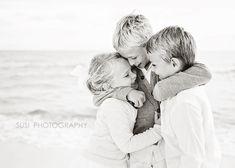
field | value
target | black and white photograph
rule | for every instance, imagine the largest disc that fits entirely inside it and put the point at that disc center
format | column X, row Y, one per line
column 117, row 84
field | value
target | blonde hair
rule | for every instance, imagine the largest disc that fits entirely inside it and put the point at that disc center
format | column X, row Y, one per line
column 100, row 72
column 131, row 31
column 174, row 42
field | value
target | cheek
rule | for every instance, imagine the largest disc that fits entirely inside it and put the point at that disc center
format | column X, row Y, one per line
column 125, row 82
column 138, row 59
column 142, row 58
column 113, row 83
column 167, row 70
column 128, row 80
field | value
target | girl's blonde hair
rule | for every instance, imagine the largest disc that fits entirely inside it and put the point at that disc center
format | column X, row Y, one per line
column 132, row 31
column 100, row 72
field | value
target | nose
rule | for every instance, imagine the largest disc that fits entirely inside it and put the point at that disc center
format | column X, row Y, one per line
column 133, row 76
column 131, row 62
column 154, row 68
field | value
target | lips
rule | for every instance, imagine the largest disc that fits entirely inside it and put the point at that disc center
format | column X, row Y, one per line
column 139, row 65
column 133, row 79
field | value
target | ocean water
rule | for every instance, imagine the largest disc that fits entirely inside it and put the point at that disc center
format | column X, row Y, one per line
column 43, row 100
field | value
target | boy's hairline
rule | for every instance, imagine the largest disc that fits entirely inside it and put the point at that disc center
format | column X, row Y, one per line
column 121, row 41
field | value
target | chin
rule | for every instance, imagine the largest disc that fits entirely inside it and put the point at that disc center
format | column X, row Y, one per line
column 162, row 76
column 140, row 66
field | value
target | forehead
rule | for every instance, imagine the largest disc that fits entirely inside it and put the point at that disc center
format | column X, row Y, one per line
column 154, row 56
column 121, row 66
column 131, row 52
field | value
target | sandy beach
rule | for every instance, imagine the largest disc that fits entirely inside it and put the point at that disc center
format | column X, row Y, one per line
column 16, row 155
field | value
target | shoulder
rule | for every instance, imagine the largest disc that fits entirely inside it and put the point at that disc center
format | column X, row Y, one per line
column 112, row 110
column 187, row 105
column 112, row 104
column 191, row 96
column 187, row 102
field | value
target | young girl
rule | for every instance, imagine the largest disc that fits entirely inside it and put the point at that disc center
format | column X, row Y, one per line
column 113, row 136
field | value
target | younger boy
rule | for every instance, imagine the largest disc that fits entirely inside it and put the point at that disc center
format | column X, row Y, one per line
column 130, row 36
column 187, row 121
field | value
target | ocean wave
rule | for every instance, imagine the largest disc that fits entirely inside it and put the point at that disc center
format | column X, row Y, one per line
column 44, row 114
column 44, row 131
column 23, row 65
column 224, row 70
column 31, row 85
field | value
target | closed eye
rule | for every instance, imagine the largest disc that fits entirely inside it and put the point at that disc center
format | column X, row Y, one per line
column 127, row 75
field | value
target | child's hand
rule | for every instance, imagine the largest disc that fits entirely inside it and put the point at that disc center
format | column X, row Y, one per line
column 137, row 97
column 157, row 118
column 155, row 91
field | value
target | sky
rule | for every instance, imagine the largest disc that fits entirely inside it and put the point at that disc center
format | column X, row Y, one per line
column 89, row 24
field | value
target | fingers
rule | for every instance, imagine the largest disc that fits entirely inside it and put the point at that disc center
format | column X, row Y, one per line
column 137, row 104
column 143, row 98
column 157, row 119
column 137, row 97
column 140, row 101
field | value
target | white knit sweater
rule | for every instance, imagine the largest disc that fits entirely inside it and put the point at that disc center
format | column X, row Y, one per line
column 112, row 138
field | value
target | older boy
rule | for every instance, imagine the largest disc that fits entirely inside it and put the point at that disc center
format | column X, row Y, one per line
column 187, row 121
column 130, row 36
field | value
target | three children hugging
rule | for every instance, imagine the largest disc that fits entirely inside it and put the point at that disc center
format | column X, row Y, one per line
column 153, row 111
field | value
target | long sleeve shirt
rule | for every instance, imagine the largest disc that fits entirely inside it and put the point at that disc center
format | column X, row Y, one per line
column 198, row 74
column 113, row 134
column 188, row 131
column 194, row 76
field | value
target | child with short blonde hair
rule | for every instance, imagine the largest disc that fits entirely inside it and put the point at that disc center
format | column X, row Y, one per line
column 187, row 120
column 113, row 137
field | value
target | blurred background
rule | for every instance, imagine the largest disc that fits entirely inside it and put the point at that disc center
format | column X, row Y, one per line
column 46, row 46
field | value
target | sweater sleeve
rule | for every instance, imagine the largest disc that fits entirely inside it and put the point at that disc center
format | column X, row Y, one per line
column 119, row 121
column 196, row 75
column 187, row 123
column 118, row 93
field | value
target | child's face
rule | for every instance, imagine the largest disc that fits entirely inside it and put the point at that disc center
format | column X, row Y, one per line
column 136, row 56
column 122, row 74
column 160, row 66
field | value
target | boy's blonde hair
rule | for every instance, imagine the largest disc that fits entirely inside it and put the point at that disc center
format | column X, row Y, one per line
column 174, row 42
column 131, row 31
column 100, row 72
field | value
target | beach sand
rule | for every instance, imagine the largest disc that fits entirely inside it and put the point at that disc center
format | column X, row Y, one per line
column 17, row 155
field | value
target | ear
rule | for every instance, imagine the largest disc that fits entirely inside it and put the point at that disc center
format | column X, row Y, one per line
column 176, row 63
